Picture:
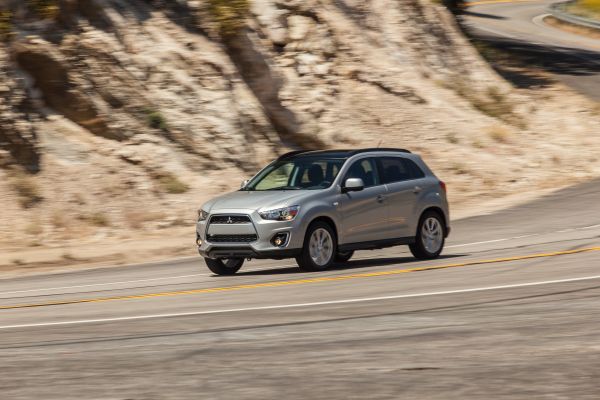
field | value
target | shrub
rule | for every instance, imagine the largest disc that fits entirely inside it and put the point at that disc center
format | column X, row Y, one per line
column 47, row 9
column 229, row 15
column 27, row 190
column 586, row 8
column 96, row 219
column 157, row 121
column 6, row 26
column 171, row 184
column 499, row 134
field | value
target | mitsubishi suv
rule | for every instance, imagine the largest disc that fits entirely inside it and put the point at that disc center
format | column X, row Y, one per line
column 320, row 206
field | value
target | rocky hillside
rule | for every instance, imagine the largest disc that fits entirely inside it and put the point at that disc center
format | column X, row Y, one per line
column 120, row 116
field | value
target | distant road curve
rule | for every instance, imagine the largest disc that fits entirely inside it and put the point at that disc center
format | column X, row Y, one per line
column 572, row 58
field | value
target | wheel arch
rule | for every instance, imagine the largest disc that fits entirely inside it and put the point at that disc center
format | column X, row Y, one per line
column 329, row 221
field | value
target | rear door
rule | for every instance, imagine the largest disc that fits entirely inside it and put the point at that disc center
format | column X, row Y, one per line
column 364, row 213
column 404, row 181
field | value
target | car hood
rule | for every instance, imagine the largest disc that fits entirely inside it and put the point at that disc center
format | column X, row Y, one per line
column 256, row 200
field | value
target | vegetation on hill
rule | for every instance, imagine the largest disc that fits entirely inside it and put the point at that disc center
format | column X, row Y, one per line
column 586, row 8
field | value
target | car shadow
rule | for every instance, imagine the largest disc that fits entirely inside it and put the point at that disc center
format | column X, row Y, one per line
column 350, row 265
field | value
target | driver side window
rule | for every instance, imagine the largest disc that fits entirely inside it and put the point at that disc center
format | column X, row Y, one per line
column 364, row 169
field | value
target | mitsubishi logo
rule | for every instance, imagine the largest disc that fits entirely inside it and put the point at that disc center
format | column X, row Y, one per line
column 229, row 220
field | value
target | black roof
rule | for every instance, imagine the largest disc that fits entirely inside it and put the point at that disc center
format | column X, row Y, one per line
column 338, row 153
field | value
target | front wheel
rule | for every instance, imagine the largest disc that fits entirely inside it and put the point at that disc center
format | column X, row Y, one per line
column 224, row 266
column 430, row 238
column 319, row 248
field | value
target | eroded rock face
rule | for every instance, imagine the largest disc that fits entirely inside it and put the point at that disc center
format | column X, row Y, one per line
column 302, row 74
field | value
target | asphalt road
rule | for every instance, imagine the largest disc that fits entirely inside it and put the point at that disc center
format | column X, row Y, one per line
column 519, row 28
column 510, row 311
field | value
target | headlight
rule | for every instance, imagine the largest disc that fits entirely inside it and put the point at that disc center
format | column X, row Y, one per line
column 281, row 214
column 202, row 215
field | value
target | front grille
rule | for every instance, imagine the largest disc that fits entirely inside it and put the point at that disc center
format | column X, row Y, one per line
column 232, row 238
column 230, row 219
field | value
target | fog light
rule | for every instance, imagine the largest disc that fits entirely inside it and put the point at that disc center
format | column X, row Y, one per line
column 198, row 241
column 279, row 240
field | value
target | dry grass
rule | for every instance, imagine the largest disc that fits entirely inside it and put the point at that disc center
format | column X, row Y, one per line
column 585, row 8
column 459, row 168
column 59, row 219
column 452, row 138
column 478, row 144
column 34, row 228
column 493, row 102
column 137, row 218
column 98, row 219
column 572, row 28
column 499, row 134
column 171, row 184
column 27, row 190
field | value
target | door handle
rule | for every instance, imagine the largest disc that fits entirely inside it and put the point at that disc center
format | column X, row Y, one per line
column 380, row 198
column 417, row 189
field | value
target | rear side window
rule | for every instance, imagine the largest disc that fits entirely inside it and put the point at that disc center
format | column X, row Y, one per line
column 397, row 169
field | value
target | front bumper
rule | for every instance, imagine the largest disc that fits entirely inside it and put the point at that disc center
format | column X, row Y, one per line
column 247, row 252
column 260, row 247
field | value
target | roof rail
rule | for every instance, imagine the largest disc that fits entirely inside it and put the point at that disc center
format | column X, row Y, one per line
column 291, row 154
column 379, row 149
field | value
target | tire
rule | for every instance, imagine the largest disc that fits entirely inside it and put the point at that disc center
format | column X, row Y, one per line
column 224, row 266
column 322, row 256
column 343, row 257
column 430, row 238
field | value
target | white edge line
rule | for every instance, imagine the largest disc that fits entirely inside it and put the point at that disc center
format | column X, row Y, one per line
column 298, row 305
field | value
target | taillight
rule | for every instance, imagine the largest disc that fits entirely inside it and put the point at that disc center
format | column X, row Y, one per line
column 443, row 185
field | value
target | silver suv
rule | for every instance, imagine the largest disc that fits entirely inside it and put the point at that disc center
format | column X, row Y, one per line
column 321, row 206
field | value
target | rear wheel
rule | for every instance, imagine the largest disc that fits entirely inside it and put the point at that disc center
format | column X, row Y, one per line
column 430, row 238
column 319, row 248
column 224, row 266
column 343, row 257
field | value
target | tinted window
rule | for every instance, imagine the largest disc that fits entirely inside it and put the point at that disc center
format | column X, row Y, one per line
column 396, row 169
column 365, row 170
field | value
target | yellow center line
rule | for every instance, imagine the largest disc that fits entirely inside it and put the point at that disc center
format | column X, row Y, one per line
column 302, row 281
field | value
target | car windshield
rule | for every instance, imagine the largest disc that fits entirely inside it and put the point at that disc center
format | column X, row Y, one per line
column 301, row 173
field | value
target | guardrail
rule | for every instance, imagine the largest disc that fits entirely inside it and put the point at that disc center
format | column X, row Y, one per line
column 558, row 11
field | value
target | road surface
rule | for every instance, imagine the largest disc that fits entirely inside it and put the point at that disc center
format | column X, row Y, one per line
column 519, row 27
column 511, row 311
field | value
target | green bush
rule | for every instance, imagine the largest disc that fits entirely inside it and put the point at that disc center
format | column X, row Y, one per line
column 229, row 15
column 157, row 121
column 171, row 184
column 6, row 26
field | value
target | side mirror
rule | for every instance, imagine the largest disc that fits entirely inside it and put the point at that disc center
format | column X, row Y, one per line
column 353, row 185
column 244, row 183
